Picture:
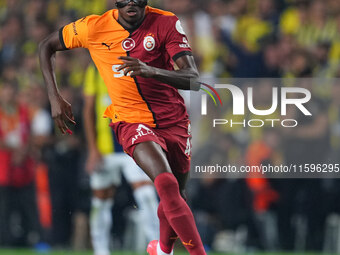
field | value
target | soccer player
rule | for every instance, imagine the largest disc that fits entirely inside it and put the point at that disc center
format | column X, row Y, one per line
column 135, row 48
column 104, row 162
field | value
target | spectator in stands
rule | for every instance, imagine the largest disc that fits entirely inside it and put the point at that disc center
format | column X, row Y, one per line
column 264, row 152
column 17, row 166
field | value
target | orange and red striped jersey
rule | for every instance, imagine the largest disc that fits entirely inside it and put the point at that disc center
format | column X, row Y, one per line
column 158, row 41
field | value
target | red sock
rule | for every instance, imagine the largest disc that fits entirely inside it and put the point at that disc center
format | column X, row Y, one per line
column 178, row 213
column 167, row 236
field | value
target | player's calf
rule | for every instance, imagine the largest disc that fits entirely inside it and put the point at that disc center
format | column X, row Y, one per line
column 178, row 213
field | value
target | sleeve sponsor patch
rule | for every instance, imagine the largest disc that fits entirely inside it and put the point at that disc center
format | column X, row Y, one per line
column 74, row 28
column 179, row 27
column 185, row 43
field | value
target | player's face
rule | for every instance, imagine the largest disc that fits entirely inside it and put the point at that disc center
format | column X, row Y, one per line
column 132, row 11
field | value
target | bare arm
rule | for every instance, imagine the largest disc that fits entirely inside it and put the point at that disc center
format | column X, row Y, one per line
column 61, row 109
column 179, row 79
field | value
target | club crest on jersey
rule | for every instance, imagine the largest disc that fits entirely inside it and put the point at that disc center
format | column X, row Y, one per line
column 149, row 42
column 128, row 44
column 142, row 131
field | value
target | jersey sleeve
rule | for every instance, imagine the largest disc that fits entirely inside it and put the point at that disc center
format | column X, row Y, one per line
column 75, row 34
column 89, row 88
column 176, row 41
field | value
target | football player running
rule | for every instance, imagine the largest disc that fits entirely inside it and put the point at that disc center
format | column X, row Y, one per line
column 135, row 48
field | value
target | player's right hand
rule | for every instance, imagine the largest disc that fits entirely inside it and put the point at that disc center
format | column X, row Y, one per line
column 62, row 113
column 94, row 161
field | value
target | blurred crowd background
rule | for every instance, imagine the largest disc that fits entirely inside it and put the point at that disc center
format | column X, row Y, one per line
column 44, row 189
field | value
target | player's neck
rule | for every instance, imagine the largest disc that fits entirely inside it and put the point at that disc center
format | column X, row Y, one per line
column 130, row 26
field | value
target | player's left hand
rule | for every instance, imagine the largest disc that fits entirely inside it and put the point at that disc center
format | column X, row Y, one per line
column 134, row 67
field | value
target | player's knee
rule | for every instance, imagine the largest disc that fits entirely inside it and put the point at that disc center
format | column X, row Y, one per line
column 166, row 184
column 168, row 190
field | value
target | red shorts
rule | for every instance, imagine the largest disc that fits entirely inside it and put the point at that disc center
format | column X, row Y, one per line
column 175, row 141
